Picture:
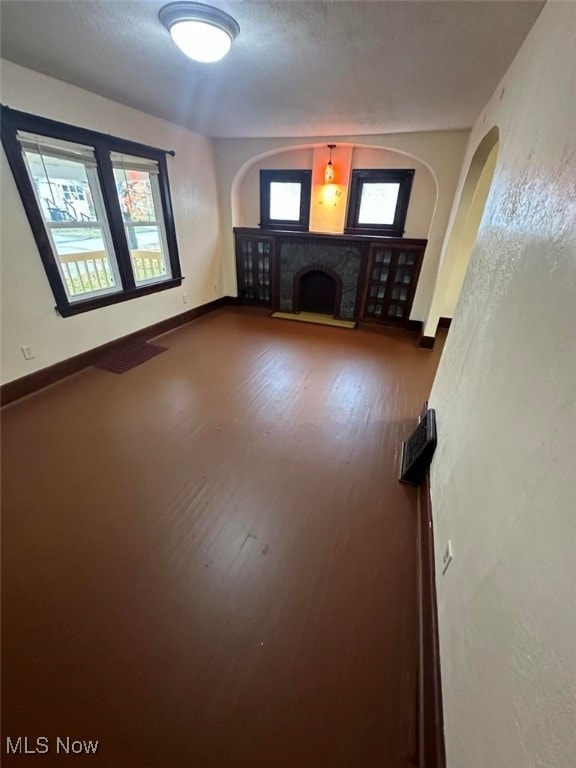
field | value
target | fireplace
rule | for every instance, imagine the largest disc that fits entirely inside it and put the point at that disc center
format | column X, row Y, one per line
column 317, row 289
column 353, row 277
column 321, row 271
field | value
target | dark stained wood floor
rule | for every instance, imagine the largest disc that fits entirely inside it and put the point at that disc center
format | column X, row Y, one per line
column 208, row 560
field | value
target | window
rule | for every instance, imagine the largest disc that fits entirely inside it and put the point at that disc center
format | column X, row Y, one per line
column 99, row 208
column 285, row 200
column 139, row 197
column 379, row 202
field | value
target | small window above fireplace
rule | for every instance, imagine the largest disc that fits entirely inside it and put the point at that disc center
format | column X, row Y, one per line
column 285, row 200
column 379, row 202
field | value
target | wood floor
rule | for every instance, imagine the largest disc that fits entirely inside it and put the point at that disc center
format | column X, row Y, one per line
column 208, row 560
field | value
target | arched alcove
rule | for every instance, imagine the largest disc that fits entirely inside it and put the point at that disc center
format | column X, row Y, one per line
column 347, row 157
column 436, row 157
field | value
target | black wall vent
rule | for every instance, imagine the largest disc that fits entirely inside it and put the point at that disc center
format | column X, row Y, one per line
column 418, row 450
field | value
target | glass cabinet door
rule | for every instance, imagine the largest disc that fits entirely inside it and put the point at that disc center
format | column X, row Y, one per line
column 391, row 281
column 254, row 266
column 401, row 287
column 380, row 267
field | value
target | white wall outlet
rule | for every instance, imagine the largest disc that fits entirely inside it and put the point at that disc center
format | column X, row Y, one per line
column 448, row 555
column 184, row 298
column 27, row 352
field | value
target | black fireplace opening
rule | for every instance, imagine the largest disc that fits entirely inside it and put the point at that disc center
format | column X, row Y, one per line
column 318, row 291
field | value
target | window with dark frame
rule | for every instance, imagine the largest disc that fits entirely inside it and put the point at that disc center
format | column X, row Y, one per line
column 99, row 208
column 285, row 200
column 378, row 201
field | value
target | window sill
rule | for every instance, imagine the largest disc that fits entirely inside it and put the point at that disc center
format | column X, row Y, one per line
column 380, row 231
column 76, row 308
column 284, row 227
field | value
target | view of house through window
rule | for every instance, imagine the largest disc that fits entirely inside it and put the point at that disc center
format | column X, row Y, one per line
column 67, row 189
column 99, row 208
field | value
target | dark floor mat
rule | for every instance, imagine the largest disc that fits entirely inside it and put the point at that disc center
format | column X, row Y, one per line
column 130, row 358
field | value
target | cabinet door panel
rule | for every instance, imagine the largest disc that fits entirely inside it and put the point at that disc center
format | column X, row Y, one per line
column 402, row 286
column 254, row 266
column 392, row 276
column 380, row 261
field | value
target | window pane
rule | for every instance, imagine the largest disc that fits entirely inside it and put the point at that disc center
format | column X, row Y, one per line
column 62, row 188
column 68, row 194
column 84, row 260
column 145, row 248
column 285, row 200
column 139, row 197
column 135, row 194
column 378, row 203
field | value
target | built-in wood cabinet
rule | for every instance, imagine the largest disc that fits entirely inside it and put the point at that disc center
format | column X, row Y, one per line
column 392, row 276
column 377, row 276
column 255, row 267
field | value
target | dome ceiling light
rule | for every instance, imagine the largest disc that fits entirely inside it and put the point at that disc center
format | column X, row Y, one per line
column 201, row 32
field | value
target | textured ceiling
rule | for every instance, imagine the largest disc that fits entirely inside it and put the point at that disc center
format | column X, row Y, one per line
column 298, row 68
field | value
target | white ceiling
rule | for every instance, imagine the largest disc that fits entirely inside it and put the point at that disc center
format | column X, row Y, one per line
column 298, row 68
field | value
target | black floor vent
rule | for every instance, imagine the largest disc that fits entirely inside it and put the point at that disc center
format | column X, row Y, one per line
column 418, row 450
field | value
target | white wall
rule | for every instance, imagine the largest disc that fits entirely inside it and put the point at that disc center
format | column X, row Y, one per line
column 28, row 314
column 504, row 475
column 441, row 152
column 249, row 198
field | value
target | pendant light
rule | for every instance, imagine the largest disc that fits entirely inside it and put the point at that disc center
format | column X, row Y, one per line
column 329, row 170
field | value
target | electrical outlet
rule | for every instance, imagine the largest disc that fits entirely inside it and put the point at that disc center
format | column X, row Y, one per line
column 27, row 352
column 184, row 298
column 448, row 555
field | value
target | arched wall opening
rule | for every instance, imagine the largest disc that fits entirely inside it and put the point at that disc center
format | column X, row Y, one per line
column 462, row 237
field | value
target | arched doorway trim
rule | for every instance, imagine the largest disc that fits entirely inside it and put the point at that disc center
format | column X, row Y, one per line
column 462, row 236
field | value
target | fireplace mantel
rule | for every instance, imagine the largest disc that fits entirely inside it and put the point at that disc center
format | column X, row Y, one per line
column 282, row 233
column 377, row 276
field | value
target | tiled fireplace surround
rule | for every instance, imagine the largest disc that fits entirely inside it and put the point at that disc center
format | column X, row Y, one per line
column 342, row 263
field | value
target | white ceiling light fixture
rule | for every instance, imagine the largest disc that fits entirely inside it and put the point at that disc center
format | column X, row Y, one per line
column 201, row 32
